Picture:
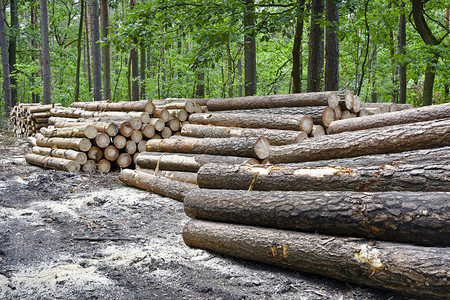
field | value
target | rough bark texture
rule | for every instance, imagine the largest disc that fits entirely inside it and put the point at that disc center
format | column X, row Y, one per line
column 390, row 139
column 81, row 144
column 250, row 48
column 275, row 137
column 5, row 63
column 246, row 147
column 79, row 43
column 143, row 106
column 270, row 101
column 332, row 47
column 422, row 114
column 316, row 47
column 270, row 121
column 79, row 157
column 13, row 50
column 106, row 54
column 427, row 175
column 413, row 270
column 297, row 64
column 155, row 184
column 81, row 113
column 52, row 162
column 46, row 95
column 401, row 45
column 407, row 217
column 186, row 162
column 96, row 56
column 188, row 177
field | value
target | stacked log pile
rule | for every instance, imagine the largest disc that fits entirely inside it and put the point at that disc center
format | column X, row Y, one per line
column 28, row 118
column 368, row 205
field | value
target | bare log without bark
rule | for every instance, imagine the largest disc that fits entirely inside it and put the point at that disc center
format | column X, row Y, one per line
column 87, row 131
column 291, row 100
column 427, row 113
column 274, row 136
column 155, row 184
column 408, row 217
column 388, row 139
column 412, row 270
column 188, row 177
column 81, row 144
column 52, row 162
column 146, row 106
column 186, row 162
column 270, row 121
column 79, row 157
column 246, row 147
column 427, row 175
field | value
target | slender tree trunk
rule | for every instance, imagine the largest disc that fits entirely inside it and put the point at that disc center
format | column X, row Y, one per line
column 363, row 67
column 229, row 71
column 401, row 44
column 80, row 41
column 88, row 49
column 373, row 78
column 447, row 19
column 106, row 54
column 240, row 77
column 34, row 22
column 96, row 57
column 316, row 47
column 45, row 53
column 134, row 59
column 129, row 78
column 332, row 47
column 5, row 63
column 13, row 50
column 200, row 87
column 430, row 74
column 297, row 66
column 394, row 78
column 163, row 71
column 143, row 64
column 250, row 48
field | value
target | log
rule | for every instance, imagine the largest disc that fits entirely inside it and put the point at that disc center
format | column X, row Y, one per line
column 136, row 136
column 103, row 166
column 108, row 127
column 270, row 121
column 317, row 131
column 87, row 131
column 81, row 144
column 188, row 177
column 141, row 146
column 42, row 108
column 246, row 147
column 186, row 162
column 111, row 153
column 399, row 138
column 148, row 130
column 146, row 106
column 356, row 104
column 379, row 107
column 156, row 184
column 166, row 133
column 80, row 113
column 130, row 147
column 126, row 129
column 426, row 113
column 290, row 100
column 102, row 140
column 52, row 162
column 412, row 270
column 419, row 218
column 274, row 136
column 187, row 105
column 124, row 160
column 162, row 114
column 426, row 176
column 119, row 141
column 95, row 154
column 181, row 114
column 79, row 157
column 89, row 167
column 157, row 123
column 174, row 124
column 401, row 106
column 346, row 102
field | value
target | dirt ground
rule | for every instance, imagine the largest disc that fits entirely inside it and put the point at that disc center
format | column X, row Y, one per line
column 81, row 236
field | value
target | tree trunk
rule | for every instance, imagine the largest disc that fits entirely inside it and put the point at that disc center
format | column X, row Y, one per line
column 155, row 184
column 45, row 53
column 52, row 162
column 245, row 147
column 106, row 54
column 275, row 137
column 297, row 65
column 186, row 162
column 5, row 63
column 80, row 144
column 250, row 48
column 270, row 121
column 332, row 47
column 427, row 175
column 315, row 57
column 200, row 86
column 35, row 43
column 422, row 114
column 398, row 138
column 240, row 77
column 88, row 49
column 13, row 50
column 80, row 41
column 401, row 45
column 290, row 100
column 143, row 64
column 79, row 157
column 96, row 56
column 428, row 83
column 402, row 268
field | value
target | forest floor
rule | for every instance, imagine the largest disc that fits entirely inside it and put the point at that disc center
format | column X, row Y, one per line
column 80, row 236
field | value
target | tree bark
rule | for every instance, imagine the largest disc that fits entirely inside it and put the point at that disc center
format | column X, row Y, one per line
column 80, row 41
column 106, row 54
column 269, row 121
column 5, row 63
column 13, row 50
column 142, row 73
column 245, row 147
column 427, row 175
column 80, row 144
column 186, row 162
column 96, row 56
column 134, row 74
column 134, row 106
column 401, row 45
column 88, row 49
column 155, row 184
column 422, row 114
column 316, row 47
column 52, row 162
column 388, row 139
column 250, row 48
column 275, row 137
column 290, row 100
column 108, row 127
column 297, row 65
column 402, row 268
column 45, row 53
column 79, row 157
column 332, row 47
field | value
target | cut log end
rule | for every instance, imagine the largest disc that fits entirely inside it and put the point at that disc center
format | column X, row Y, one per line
column 89, row 167
column 124, row 160
column 85, row 145
column 306, row 124
column 104, row 166
column 262, row 148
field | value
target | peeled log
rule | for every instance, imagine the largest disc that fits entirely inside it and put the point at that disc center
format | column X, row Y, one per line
column 146, row 106
column 388, row 139
column 52, row 162
column 186, row 162
column 155, row 184
column 188, row 177
column 246, row 147
column 274, row 136
column 408, row 217
column 81, row 144
column 270, row 121
column 87, row 131
column 79, row 157
column 426, row 113
column 427, row 175
column 303, row 99
column 412, row 270
column 95, row 154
